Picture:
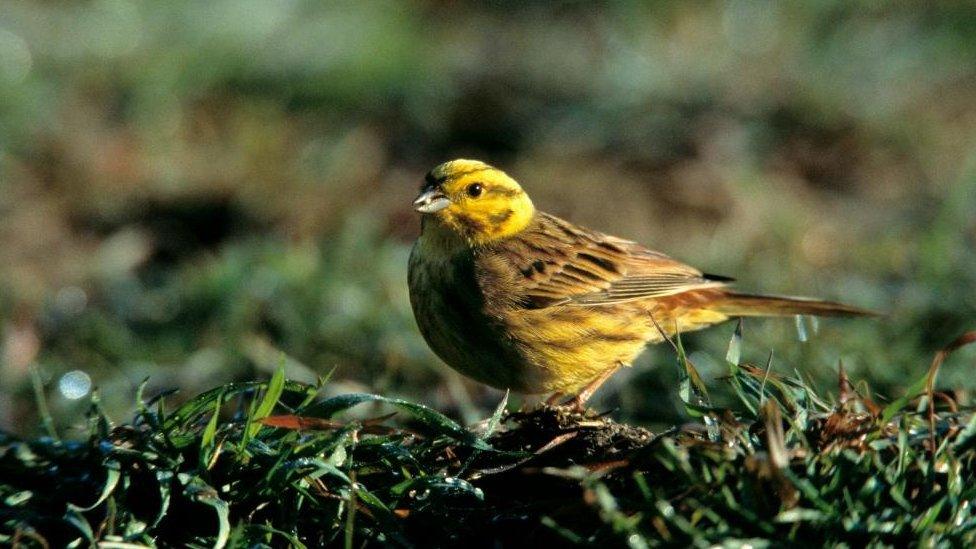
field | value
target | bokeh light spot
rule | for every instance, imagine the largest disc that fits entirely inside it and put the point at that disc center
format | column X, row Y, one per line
column 74, row 385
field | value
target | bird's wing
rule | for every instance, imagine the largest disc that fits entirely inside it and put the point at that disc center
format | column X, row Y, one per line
column 563, row 264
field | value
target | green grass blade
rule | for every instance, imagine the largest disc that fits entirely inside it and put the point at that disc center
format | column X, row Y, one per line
column 275, row 388
column 433, row 420
column 112, row 475
column 197, row 490
column 40, row 400
column 734, row 354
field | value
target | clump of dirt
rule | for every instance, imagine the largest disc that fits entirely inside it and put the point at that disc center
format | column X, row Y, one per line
column 561, row 435
column 542, row 456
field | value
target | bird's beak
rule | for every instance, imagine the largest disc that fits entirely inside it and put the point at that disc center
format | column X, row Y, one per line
column 430, row 201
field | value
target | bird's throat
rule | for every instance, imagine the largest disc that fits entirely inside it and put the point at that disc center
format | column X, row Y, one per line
column 439, row 243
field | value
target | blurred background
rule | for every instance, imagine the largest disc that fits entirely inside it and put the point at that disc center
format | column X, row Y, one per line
column 190, row 191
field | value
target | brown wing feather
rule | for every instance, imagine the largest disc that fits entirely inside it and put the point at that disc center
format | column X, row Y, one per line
column 561, row 263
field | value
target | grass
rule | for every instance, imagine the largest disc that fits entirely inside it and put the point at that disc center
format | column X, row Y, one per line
column 269, row 463
column 180, row 199
column 187, row 200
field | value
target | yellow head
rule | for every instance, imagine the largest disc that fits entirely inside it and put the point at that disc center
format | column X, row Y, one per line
column 474, row 200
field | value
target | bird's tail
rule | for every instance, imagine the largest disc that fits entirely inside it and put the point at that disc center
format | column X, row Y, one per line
column 735, row 304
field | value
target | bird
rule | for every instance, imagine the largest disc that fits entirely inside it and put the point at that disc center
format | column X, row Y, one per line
column 525, row 301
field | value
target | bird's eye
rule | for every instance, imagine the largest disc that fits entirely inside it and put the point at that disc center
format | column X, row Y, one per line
column 474, row 190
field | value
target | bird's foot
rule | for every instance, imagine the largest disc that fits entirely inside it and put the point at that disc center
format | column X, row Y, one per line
column 576, row 403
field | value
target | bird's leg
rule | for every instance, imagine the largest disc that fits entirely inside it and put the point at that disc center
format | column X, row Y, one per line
column 554, row 399
column 578, row 402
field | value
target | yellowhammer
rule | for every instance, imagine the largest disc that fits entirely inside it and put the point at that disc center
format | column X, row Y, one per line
column 523, row 300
